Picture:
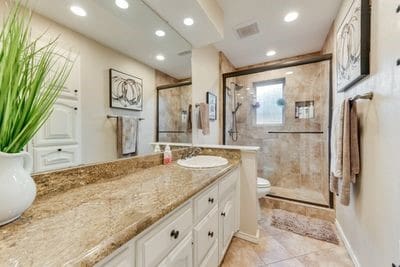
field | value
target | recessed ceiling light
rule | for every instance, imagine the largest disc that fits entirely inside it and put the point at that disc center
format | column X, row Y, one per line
column 289, row 73
column 188, row 21
column 291, row 16
column 160, row 33
column 122, row 4
column 77, row 10
column 271, row 53
column 160, row 57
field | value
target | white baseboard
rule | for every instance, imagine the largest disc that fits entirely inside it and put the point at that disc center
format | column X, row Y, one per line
column 251, row 238
column 347, row 245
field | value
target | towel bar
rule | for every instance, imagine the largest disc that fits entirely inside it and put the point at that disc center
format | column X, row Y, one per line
column 114, row 117
column 368, row 96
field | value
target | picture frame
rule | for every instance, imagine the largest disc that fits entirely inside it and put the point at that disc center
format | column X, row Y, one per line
column 212, row 106
column 353, row 45
column 126, row 91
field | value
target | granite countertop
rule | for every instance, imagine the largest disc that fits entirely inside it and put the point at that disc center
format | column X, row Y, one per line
column 83, row 225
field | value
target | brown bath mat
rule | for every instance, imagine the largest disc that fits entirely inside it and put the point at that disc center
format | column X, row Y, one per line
column 303, row 225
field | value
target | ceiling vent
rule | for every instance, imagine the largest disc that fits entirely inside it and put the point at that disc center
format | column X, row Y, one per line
column 247, row 30
column 184, row 53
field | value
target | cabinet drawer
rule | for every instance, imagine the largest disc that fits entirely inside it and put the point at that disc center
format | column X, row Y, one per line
column 50, row 158
column 155, row 245
column 211, row 259
column 205, row 235
column 227, row 183
column 205, row 202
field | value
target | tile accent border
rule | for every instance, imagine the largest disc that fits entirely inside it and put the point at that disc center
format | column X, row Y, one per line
column 300, row 208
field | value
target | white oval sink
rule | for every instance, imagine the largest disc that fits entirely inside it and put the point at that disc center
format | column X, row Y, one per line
column 203, row 162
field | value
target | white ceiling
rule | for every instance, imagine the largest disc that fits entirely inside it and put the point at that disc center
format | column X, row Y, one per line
column 129, row 31
column 206, row 15
column 305, row 35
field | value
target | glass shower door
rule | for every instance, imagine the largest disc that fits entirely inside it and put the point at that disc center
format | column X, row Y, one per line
column 285, row 112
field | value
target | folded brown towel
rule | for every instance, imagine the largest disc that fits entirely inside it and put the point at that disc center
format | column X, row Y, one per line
column 127, row 130
column 341, row 179
column 204, row 120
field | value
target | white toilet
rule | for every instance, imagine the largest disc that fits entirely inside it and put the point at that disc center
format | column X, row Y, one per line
column 263, row 188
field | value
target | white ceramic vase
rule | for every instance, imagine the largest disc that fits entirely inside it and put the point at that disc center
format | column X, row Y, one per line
column 17, row 188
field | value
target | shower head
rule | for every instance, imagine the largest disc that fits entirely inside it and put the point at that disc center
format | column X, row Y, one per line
column 237, row 86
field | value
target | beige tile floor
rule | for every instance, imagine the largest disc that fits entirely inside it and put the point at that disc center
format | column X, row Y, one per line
column 278, row 248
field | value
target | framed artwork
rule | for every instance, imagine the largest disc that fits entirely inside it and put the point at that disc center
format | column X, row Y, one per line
column 212, row 106
column 126, row 91
column 353, row 45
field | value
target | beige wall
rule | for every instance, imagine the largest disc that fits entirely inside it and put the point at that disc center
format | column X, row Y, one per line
column 371, row 223
column 205, row 77
column 98, row 132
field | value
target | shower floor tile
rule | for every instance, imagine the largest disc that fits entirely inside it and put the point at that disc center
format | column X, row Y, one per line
column 300, row 194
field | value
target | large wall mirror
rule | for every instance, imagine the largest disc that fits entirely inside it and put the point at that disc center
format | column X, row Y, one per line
column 133, row 40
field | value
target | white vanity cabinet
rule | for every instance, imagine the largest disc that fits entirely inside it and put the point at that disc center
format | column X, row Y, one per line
column 196, row 234
column 122, row 257
column 57, row 144
column 181, row 256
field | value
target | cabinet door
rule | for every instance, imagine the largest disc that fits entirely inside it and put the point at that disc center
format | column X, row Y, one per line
column 123, row 258
column 205, row 236
column 181, row 256
column 71, row 88
column 226, row 223
column 211, row 259
column 62, row 127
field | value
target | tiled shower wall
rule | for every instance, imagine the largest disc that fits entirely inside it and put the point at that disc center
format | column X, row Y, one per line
column 173, row 104
column 290, row 161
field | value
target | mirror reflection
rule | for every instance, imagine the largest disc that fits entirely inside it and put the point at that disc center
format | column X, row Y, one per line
column 121, row 53
column 174, row 120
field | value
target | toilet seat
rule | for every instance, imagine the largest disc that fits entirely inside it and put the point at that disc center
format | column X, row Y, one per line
column 263, row 183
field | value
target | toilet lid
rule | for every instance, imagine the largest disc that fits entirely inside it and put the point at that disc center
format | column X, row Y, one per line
column 262, row 183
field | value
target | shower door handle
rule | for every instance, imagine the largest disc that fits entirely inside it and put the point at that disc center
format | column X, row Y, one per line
column 299, row 132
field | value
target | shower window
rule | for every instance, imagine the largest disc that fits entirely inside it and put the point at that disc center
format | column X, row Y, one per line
column 269, row 95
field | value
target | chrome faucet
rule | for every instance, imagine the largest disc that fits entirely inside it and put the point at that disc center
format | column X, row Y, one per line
column 192, row 152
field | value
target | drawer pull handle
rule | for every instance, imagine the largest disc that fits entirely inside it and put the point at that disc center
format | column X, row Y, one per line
column 223, row 214
column 211, row 200
column 59, row 149
column 76, row 91
column 211, row 234
column 75, row 108
column 175, row 234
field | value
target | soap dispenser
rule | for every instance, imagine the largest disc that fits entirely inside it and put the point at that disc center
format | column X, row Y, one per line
column 157, row 148
column 167, row 155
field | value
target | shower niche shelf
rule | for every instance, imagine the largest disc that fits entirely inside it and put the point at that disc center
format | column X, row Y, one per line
column 304, row 109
